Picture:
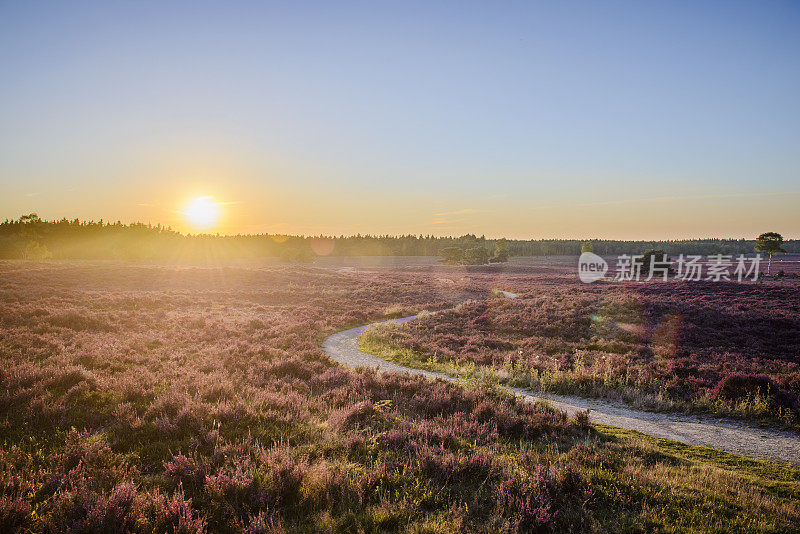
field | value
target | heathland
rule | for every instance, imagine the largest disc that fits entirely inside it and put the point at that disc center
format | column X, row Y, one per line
column 725, row 348
column 191, row 398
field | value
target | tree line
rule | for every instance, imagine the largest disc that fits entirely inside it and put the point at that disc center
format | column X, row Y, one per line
column 34, row 238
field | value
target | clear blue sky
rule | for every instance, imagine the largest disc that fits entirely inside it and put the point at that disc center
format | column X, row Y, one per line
column 551, row 119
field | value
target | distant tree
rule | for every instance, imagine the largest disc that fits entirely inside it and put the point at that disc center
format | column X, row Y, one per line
column 452, row 255
column 28, row 226
column 476, row 256
column 76, row 239
column 587, row 246
column 500, row 251
column 30, row 218
column 770, row 243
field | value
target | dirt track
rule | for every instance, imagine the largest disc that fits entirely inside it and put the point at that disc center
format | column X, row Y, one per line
column 727, row 435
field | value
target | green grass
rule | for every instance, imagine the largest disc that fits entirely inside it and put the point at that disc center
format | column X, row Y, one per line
column 668, row 486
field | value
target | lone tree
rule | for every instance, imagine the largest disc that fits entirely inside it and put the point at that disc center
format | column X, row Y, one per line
column 451, row 255
column 587, row 246
column 770, row 243
column 500, row 251
column 29, row 230
column 476, row 256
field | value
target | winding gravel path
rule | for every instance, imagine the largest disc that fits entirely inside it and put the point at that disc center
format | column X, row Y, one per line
column 727, row 435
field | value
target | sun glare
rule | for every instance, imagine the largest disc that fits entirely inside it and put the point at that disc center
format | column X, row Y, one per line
column 202, row 213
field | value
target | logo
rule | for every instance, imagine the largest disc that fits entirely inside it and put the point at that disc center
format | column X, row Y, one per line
column 591, row 267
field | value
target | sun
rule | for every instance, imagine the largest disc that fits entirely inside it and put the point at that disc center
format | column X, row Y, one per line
column 202, row 212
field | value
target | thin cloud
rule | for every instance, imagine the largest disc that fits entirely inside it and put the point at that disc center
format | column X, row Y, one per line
column 664, row 198
column 465, row 211
column 690, row 197
column 454, row 217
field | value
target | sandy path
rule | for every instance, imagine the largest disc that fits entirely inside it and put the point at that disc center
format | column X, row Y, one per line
column 727, row 435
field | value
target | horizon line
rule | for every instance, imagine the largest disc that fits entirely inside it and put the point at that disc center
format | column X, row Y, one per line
column 378, row 235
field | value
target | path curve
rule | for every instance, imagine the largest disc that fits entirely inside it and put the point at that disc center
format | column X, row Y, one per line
column 723, row 434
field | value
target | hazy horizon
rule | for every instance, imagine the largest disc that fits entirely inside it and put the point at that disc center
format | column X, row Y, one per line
column 453, row 235
column 618, row 120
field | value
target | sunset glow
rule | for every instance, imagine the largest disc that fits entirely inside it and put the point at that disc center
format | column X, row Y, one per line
column 202, row 213
column 538, row 132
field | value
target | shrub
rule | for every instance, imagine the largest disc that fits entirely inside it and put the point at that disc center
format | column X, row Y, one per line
column 526, row 506
column 582, row 418
column 264, row 523
column 476, row 256
column 362, row 415
column 740, row 386
column 15, row 514
column 451, row 255
column 172, row 515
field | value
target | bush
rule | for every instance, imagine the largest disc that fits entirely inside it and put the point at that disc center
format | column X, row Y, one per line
column 740, row 386
column 264, row 523
column 451, row 255
column 476, row 256
column 582, row 418
column 15, row 514
column 362, row 415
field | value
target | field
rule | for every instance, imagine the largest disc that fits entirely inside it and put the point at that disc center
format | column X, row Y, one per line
column 725, row 348
column 193, row 398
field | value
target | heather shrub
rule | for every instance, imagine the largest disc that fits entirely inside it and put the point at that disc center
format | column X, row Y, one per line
column 15, row 514
column 93, row 454
column 187, row 472
column 362, row 415
column 171, row 514
column 465, row 468
column 278, row 477
column 741, row 387
column 264, row 523
column 78, row 510
column 582, row 418
column 233, row 493
column 81, row 321
column 548, row 499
